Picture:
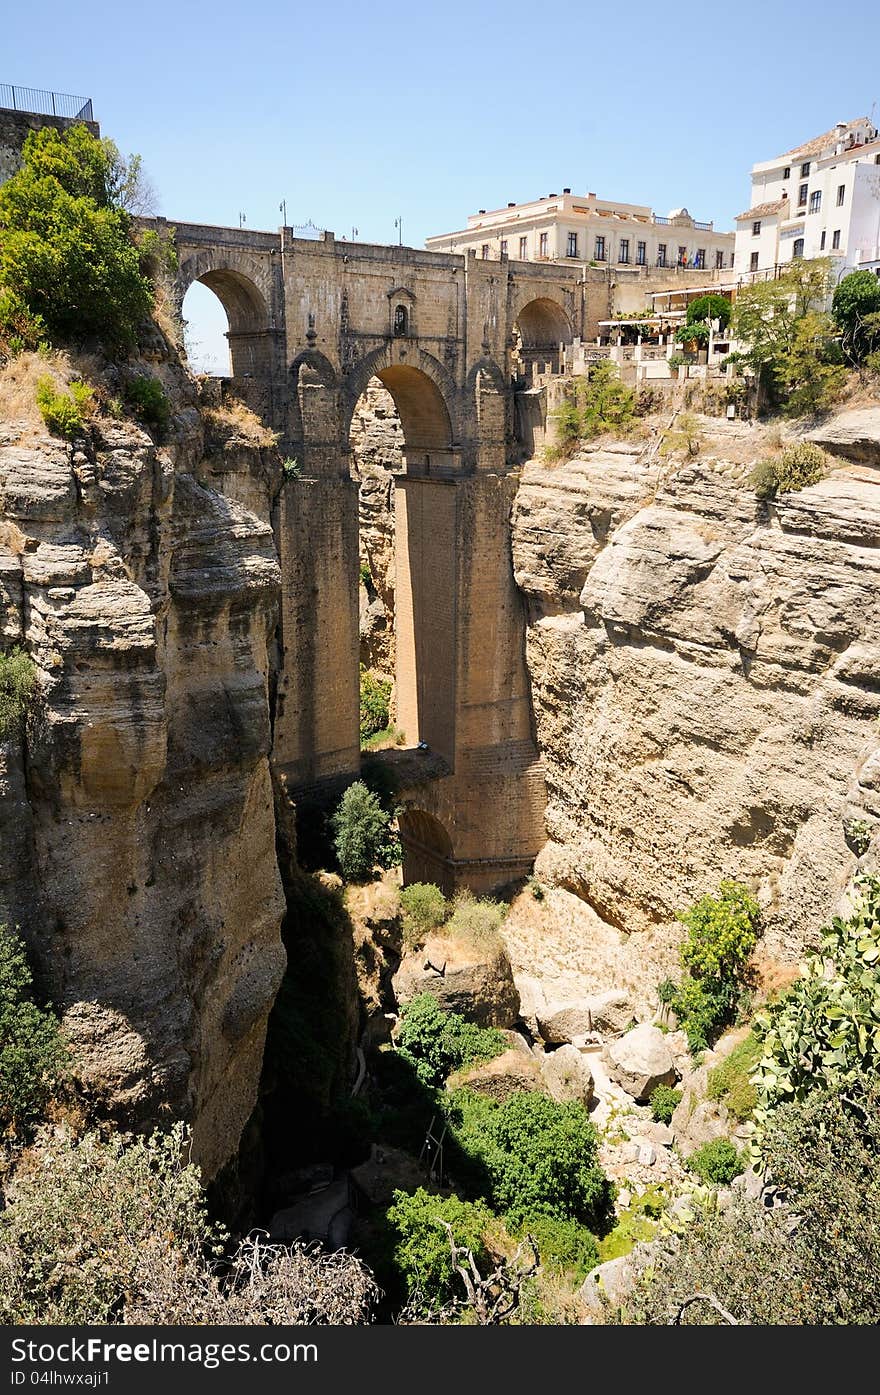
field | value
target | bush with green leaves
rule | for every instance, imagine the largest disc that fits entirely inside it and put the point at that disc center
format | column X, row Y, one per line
column 437, row 1042
column 64, row 412
column 536, row 1155
column 422, row 1253
column 18, row 686
column 663, row 1103
column 722, row 932
column 855, row 306
column 146, row 395
column 375, row 697
column 68, row 252
column 361, row 831
column 33, row 1056
column 564, row 1246
column 710, row 307
column 813, row 1260
column 423, row 908
column 794, row 468
column 730, row 1082
column 116, row 1230
column 825, row 1032
column 717, row 1162
column 476, row 921
column 600, row 403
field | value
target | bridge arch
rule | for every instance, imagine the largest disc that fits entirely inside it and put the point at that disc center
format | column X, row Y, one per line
column 239, row 283
column 540, row 326
column 427, row 850
column 426, row 401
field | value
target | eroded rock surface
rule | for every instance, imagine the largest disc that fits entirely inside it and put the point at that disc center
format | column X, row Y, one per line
column 144, row 583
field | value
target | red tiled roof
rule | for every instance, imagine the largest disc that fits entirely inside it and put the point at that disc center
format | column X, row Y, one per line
column 763, row 210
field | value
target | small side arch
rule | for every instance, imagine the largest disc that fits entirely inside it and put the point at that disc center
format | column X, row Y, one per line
column 314, row 413
column 541, row 325
column 427, row 850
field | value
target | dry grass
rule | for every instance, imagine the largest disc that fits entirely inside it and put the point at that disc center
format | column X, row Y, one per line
column 233, row 418
column 18, row 386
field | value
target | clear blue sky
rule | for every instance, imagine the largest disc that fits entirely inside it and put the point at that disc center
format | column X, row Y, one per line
column 357, row 113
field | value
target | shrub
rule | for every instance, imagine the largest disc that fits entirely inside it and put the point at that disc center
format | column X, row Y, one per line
column 476, row 922
column 147, row 396
column 605, row 403
column 722, row 932
column 361, row 827
column 761, row 1267
column 872, row 362
column 67, row 252
column 424, row 909
column 795, row 468
column 109, row 1230
column 422, row 1254
column 539, row 1156
column 824, row 1033
column 33, row 1056
column 18, row 684
column 375, row 694
column 663, row 1102
column 855, row 305
column 64, row 412
column 437, row 1042
column 717, row 1162
column 729, row 1081
column 564, row 1246
column 687, row 437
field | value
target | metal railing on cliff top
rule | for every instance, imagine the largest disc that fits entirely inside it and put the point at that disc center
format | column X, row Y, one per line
column 39, row 103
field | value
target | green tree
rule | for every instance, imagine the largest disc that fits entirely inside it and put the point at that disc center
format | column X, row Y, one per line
column 18, row 684
column 360, row 826
column 856, row 309
column 809, row 374
column 710, row 307
column 422, row 1253
column 539, row 1155
column 722, row 932
column 375, row 695
column 437, row 1042
column 33, row 1056
column 67, row 247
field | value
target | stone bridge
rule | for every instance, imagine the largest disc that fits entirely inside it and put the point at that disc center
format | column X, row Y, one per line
column 310, row 323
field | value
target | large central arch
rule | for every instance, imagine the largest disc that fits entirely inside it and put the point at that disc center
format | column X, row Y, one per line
column 426, row 400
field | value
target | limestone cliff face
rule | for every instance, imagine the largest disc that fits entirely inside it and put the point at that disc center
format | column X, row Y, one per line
column 705, row 682
column 377, row 448
column 138, row 836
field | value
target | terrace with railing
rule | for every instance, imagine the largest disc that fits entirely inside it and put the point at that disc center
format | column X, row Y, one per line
column 37, row 102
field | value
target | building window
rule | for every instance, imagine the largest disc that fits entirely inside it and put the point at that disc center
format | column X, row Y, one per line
column 523, row 248
column 822, row 241
column 400, row 320
column 753, row 263
column 682, row 256
column 700, row 259
column 802, row 194
column 661, row 253
column 504, row 246
column 835, row 240
column 542, row 245
column 786, row 173
column 572, row 245
column 805, row 169
column 841, row 194
column 624, row 250
column 798, row 249
column 600, row 249
column 719, row 261
column 756, row 228
column 641, row 253
column 815, row 200
column 485, row 252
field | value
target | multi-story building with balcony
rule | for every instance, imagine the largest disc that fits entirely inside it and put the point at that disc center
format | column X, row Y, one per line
column 820, row 199
column 597, row 232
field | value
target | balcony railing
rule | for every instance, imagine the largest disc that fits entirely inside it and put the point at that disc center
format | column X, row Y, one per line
column 40, row 103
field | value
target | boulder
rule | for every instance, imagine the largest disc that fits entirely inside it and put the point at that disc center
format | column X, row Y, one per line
column 614, row 1280
column 854, row 434
column 559, row 1023
column 479, row 988
column 532, row 1000
column 612, row 1012
column 696, row 1122
column 640, row 1061
column 566, row 1075
column 504, row 1076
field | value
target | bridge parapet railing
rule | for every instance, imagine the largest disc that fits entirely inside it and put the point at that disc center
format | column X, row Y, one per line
column 38, row 102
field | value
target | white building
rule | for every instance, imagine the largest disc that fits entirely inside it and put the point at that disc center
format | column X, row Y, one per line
column 820, row 199
column 570, row 227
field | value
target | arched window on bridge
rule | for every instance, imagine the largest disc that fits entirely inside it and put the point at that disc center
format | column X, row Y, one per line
column 401, row 320
column 206, row 326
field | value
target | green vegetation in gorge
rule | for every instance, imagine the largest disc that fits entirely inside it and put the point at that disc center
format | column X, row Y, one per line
column 362, row 833
column 18, row 686
column 722, row 932
column 423, row 908
column 663, row 1103
column 439, row 1042
column 718, row 1162
column 64, row 412
column 33, row 1056
column 375, row 697
column 730, row 1082
column 794, row 468
column 598, row 403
